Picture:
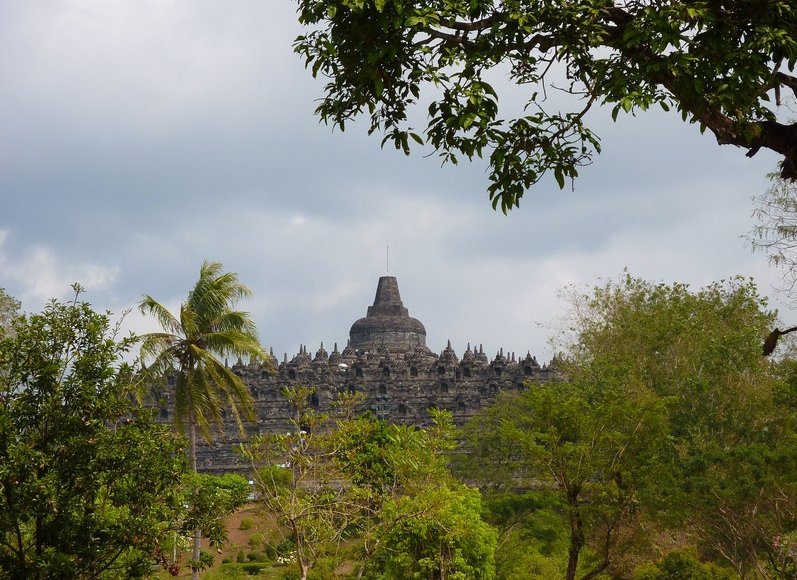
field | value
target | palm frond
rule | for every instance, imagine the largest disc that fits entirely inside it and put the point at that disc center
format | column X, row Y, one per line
column 166, row 319
column 234, row 343
column 153, row 344
column 208, row 327
column 190, row 322
column 182, row 402
column 162, row 365
column 207, row 404
column 215, row 292
column 235, row 320
column 233, row 387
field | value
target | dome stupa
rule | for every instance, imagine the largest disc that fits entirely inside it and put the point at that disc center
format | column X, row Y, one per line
column 387, row 323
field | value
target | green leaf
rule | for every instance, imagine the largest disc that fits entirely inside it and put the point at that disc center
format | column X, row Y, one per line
column 560, row 178
column 684, row 54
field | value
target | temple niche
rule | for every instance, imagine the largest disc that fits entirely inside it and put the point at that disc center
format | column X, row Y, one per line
column 386, row 359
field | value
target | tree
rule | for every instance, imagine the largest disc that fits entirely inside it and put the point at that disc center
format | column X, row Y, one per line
column 599, row 447
column 728, row 479
column 386, row 485
column 435, row 533
column 419, row 522
column 670, row 416
column 297, row 480
column 208, row 328
column 9, row 311
column 775, row 232
column 721, row 64
column 88, row 482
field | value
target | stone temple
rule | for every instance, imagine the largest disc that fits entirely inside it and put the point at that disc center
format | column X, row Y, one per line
column 387, row 360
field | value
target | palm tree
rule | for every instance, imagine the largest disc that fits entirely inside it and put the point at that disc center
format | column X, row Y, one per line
column 193, row 346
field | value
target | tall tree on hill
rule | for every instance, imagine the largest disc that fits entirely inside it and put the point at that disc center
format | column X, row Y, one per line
column 722, row 64
column 9, row 311
column 670, row 420
column 775, row 231
column 193, row 345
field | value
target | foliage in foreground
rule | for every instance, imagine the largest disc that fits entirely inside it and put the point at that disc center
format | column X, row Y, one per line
column 385, row 485
column 192, row 347
column 88, row 483
column 722, row 65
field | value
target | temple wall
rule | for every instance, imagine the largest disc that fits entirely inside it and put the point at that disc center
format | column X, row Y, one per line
column 399, row 388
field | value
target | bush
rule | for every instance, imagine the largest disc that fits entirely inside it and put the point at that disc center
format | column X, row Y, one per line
column 246, row 524
column 240, row 558
column 275, row 476
column 254, row 568
column 256, row 540
column 226, row 560
column 271, row 551
column 256, row 556
column 292, row 574
column 324, row 569
column 682, row 564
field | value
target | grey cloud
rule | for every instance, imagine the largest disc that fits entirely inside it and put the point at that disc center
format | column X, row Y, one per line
column 139, row 140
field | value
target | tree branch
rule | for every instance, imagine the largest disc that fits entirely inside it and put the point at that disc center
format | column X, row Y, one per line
column 477, row 25
column 787, row 80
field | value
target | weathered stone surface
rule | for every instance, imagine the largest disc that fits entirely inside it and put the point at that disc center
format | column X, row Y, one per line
column 388, row 361
column 387, row 323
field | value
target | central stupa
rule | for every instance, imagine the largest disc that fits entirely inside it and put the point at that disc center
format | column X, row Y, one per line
column 387, row 323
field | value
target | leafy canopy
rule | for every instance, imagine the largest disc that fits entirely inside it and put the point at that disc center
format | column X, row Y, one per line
column 775, row 232
column 385, row 485
column 670, row 419
column 208, row 328
column 9, row 311
column 726, row 472
column 88, row 482
column 721, row 63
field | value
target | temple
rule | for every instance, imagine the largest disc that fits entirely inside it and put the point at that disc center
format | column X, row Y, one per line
column 387, row 360
column 387, row 323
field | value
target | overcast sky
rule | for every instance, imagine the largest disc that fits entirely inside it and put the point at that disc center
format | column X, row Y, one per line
column 139, row 138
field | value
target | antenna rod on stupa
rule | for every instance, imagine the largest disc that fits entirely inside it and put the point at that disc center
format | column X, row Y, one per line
column 387, row 259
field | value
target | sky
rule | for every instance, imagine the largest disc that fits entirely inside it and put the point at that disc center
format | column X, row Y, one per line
column 138, row 139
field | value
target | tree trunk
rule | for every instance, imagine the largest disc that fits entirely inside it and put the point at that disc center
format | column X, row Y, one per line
column 576, row 534
column 192, row 457
column 304, row 568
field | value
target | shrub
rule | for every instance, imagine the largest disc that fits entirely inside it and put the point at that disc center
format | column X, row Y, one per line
column 682, row 564
column 256, row 556
column 240, row 558
column 254, row 568
column 271, row 551
column 246, row 524
column 291, row 574
column 256, row 540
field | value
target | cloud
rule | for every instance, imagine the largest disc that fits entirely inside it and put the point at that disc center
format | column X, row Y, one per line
column 38, row 275
column 140, row 140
